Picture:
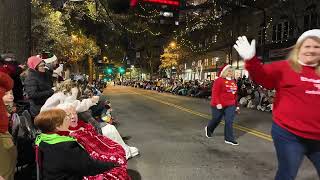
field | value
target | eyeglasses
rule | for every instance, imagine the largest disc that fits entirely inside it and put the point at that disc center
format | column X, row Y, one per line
column 41, row 65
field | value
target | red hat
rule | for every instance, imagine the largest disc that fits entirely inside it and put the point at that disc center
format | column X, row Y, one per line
column 223, row 69
column 33, row 62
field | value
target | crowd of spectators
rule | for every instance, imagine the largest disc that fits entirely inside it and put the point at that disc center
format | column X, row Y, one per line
column 250, row 95
column 52, row 114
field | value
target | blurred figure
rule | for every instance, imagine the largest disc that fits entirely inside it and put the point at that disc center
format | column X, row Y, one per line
column 8, row 151
column 9, row 65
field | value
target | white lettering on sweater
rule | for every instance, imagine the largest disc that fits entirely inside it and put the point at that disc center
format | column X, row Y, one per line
column 317, row 81
column 316, row 84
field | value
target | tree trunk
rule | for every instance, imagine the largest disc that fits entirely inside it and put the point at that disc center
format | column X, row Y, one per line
column 90, row 62
column 15, row 28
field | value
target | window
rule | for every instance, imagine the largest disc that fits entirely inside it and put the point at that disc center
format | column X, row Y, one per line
column 274, row 35
column 199, row 63
column 214, row 38
column 311, row 21
column 206, row 62
column 206, row 42
column 261, row 35
column 281, row 32
column 285, row 30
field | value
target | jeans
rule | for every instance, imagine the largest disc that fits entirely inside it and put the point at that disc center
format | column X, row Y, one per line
column 291, row 150
column 217, row 114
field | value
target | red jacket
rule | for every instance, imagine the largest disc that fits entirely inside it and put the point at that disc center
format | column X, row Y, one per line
column 6, row 84
column 224, row 92
column 297, row 100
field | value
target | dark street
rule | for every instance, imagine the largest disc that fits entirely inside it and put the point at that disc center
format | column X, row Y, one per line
column 169, row 132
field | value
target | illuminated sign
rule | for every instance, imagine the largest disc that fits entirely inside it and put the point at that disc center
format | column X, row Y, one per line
column 165, row 2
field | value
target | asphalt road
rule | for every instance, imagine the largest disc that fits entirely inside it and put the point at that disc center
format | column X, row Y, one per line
column 169, row 132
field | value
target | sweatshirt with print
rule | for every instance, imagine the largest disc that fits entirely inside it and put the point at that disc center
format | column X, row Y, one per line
column 224, row 92
column 297, row 100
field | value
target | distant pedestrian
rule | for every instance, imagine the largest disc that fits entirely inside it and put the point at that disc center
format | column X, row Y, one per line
column 296, row 116
column 224, row 104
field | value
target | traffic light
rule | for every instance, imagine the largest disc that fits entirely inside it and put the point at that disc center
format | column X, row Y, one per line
column 121, row 70
column 109, row 71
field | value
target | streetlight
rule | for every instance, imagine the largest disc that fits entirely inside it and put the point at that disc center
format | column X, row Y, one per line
column 172, row 44
column 74, row 37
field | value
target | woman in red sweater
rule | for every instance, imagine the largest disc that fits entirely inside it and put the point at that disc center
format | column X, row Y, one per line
column 223, row 103
column 296, row 116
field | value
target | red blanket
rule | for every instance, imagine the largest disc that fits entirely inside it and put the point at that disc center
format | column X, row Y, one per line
column 104, row 149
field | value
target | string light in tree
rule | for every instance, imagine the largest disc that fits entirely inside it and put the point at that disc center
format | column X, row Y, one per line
column 127, row 29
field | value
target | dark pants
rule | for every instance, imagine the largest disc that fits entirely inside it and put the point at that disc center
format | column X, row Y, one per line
column 217, row 114
column 291, row 150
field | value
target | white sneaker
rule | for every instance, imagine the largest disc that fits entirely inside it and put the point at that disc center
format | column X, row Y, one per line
column 208, row 135
column 134, row 151
column 233, row 143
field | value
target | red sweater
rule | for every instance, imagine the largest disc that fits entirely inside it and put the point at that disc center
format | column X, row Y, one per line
column 224, row 92
column 6, row 84
column 297, row 101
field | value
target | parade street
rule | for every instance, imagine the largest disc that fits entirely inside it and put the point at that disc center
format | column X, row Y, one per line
column 169, row 132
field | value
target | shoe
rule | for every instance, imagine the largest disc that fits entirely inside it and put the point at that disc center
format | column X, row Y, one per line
column 134, row 151
column 233, row 143
column 208, row 134
column 126, row 138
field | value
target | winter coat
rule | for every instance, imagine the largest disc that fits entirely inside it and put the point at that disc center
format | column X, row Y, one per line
column 61, row 98
column 6, row 84
column 62, row 158
column 38, row 87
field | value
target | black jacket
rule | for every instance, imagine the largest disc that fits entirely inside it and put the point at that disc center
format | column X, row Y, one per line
column 68, row 161
column 38, row 87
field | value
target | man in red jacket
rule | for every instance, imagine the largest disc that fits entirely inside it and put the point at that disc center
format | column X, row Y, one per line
column 296, row 116
column 224, row 103
column 8, row 151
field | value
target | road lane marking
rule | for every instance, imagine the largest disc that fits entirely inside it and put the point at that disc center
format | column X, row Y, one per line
column 206, row 116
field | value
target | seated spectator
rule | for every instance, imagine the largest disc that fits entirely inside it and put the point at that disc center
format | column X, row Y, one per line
column 99, row 147
column 67, row 92
column 56, row 144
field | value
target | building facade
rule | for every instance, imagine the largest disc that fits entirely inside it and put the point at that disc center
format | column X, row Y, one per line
column 275, row 29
